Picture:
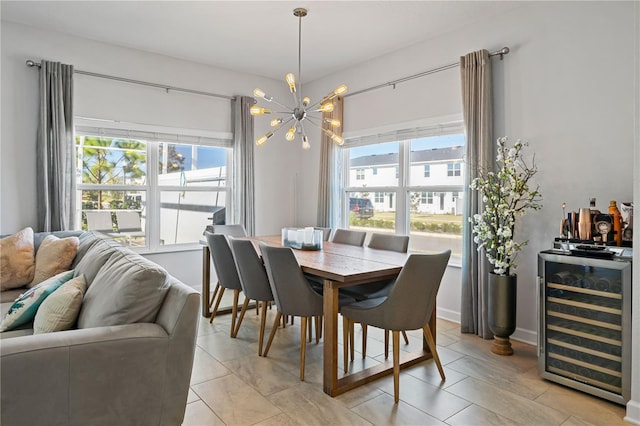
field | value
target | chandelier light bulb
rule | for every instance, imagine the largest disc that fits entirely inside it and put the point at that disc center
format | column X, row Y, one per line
column 305, row 143
column 261, row 140
column 256, row 110
column 276, row 122
column 337, row 139
column 291, row 81
column 306, row 101
column 259, row 93
column 326, row 107
column 332, row 122
column 340, row 90
column 291, row 134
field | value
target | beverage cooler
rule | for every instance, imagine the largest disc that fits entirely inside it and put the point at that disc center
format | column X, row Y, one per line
column 584, row 339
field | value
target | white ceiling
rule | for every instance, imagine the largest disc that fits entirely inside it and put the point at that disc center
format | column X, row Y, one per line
column 258, row 37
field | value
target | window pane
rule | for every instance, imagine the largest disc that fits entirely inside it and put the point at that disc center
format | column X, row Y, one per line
column 383, row 158
column 192, row 165
column 116, row 214
column 185, row 214
column 372, row 214
column 111, row 161
column 437, row 160
column 436, row 224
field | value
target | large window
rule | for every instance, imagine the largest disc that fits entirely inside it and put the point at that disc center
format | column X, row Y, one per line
column 150, row 193
column 417, row 189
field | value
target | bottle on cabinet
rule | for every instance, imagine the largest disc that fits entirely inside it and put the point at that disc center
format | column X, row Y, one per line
column 617, row 222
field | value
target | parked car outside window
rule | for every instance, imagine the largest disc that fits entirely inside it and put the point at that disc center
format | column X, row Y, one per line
column 362, row 207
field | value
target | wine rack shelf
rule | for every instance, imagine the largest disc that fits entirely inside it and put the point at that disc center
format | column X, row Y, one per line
column 584, row 340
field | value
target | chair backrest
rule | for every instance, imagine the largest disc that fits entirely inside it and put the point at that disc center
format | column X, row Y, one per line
column 230, row 230
column 128, row 221
column 326, row 233
column 291, row 290
column 399, row 243
column 99, row 221
column 223, row 261
column 253, row 276
column 347, row 236
column 413, row 296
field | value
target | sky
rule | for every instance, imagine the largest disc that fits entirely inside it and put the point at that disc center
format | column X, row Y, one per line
column 431, row 142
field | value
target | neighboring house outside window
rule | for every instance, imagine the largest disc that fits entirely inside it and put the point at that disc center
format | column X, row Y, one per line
column 416, row 190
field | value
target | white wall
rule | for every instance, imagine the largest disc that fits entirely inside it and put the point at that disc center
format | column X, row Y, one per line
column 566, row 86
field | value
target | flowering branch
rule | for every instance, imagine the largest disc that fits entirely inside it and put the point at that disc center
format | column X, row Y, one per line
column 507, row 196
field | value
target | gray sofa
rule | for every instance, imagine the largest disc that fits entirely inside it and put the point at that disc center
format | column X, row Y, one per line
column 128, row 361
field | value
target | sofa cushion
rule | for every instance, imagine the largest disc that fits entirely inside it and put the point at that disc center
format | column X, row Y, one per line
column 17, row 259
column 94, row 257
column 54, row 255
column 60, row 310
column 127, row 289
column 25, row 307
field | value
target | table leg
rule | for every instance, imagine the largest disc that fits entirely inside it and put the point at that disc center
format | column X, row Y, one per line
column 206, row 278
column 330, row 370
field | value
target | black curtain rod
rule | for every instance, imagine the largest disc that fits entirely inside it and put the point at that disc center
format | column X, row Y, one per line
column 31, row 63
column 501, row 53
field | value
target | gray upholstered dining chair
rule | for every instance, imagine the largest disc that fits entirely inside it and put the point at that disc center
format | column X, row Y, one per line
column 326, row 233
column 408, row 307
column 399, row 243
column 347, row 236
column 292, row 293
column 230, row 230
column 254, row 281
column 227, row 275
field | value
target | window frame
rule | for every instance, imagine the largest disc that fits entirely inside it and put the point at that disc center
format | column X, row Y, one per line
column 152, row 187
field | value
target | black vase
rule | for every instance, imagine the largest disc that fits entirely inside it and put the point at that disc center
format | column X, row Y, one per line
column 502, row 311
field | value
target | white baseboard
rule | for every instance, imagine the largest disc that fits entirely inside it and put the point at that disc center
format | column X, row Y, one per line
column 633, row 412
column 448, row 314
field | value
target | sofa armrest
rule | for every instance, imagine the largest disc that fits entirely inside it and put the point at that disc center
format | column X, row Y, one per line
column 89, row 376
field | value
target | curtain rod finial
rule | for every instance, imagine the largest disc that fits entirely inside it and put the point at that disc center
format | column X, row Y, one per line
column 503, row 52
column 31, row 63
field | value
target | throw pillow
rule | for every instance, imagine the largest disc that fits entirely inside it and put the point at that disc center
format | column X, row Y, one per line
column 25, row 307
column 54, row 255
column 17, row 262
column 60, row 310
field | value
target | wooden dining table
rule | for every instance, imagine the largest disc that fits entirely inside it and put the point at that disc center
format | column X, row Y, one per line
column 341, row 265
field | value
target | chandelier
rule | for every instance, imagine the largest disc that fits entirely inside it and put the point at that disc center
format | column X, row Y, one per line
column 303, row 111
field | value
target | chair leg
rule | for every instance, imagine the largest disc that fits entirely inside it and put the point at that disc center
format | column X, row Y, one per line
column 396, row 366
column 234, row 312
column 310, row 329
column 263, row 320
column 215, row 308
column 364, row 340
column 406, row 339
column 352, row 339
column 321, row 320
column 215, row 292
column 432, row 347
column 345, row 341
column 303, row 345
column 242, row 312
column 386, row 344
column 317, row 323
column 276, row 323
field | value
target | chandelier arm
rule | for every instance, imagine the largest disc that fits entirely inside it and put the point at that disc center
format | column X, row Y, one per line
column 283, row 124
column 282, row 105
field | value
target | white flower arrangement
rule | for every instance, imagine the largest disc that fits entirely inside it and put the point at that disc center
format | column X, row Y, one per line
column 507, row 196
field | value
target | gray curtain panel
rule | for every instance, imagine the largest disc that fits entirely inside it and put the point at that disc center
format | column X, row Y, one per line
column 55, row 156
column 477, row 108
column 329, row 171
column 243, row 211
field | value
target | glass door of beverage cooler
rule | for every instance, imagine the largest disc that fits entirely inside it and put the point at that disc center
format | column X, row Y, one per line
column 585, row 324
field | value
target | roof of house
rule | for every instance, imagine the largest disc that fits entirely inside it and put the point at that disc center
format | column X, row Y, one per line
column 422, row 156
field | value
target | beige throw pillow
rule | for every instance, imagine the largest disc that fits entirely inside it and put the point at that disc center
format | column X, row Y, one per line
column 17, row 262
column 60, row 310
column 54, row 255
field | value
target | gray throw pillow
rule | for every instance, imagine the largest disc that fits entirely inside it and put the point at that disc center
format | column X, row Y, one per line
column 128, row 289
column 93, row 255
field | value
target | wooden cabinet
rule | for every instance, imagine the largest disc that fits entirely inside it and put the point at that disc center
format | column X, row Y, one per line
column 584, row 340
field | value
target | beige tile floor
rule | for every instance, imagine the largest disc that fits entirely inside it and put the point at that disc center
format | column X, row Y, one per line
column 231, row 385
